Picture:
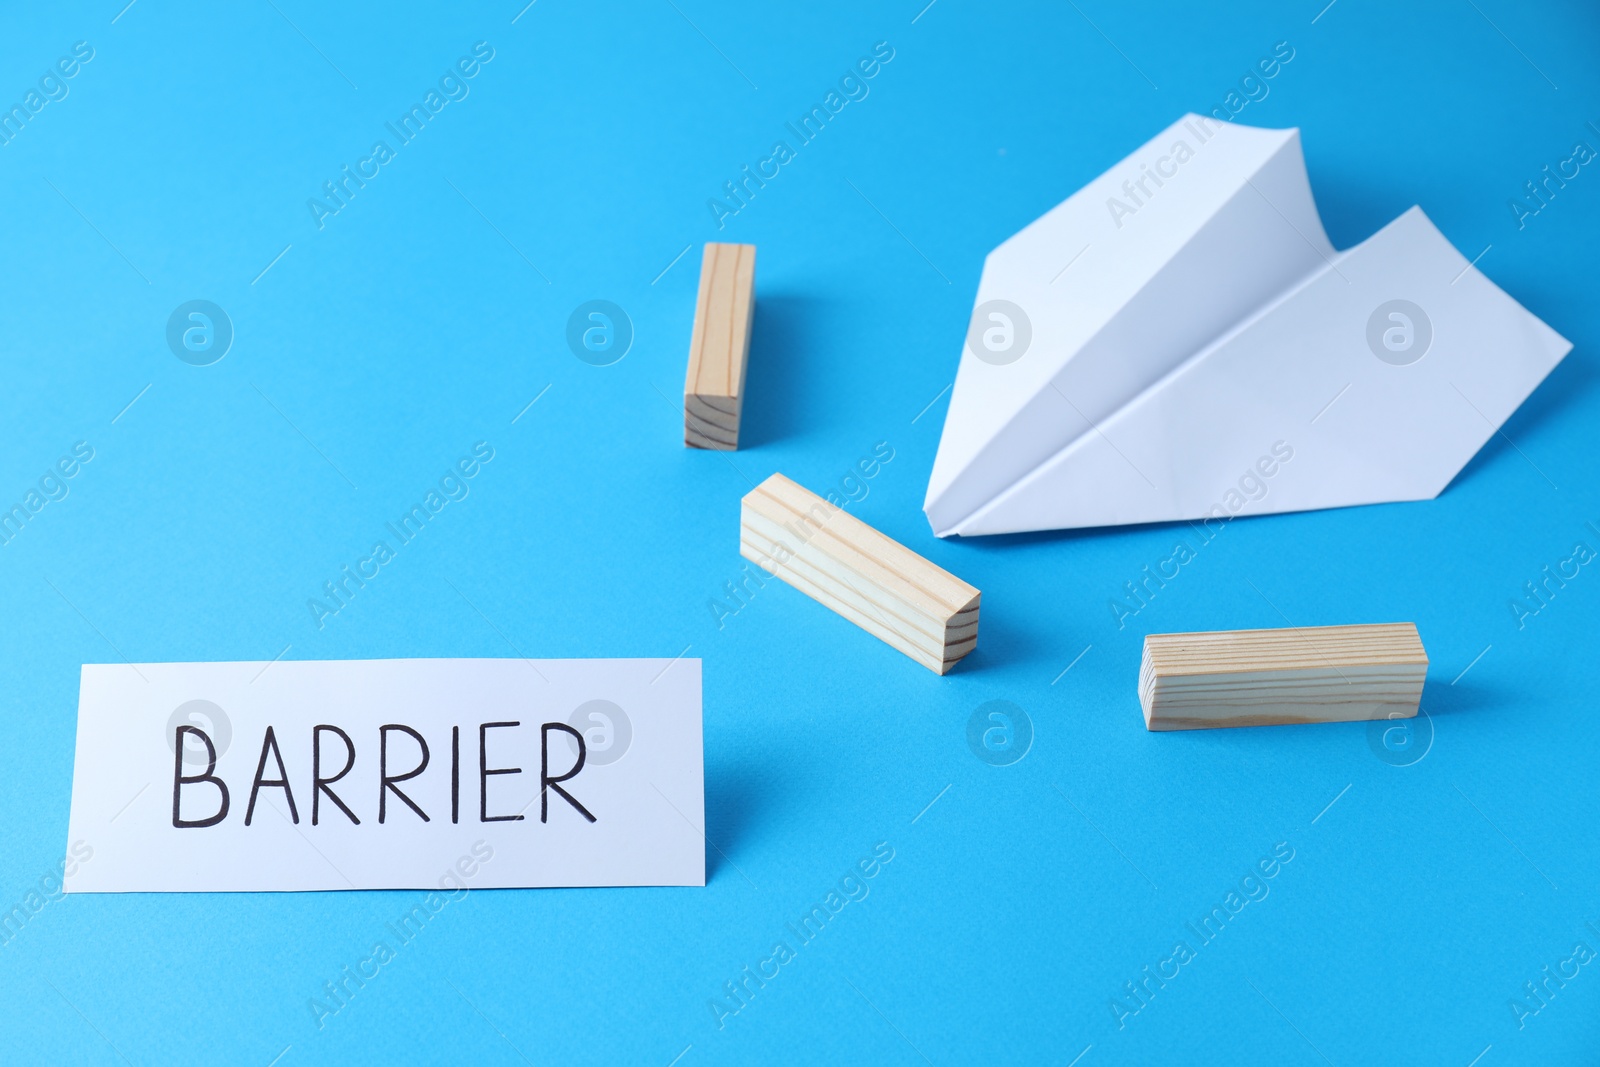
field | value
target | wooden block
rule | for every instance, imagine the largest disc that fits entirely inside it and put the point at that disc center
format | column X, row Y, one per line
column 1272, row 677
column 713, row 391
column 844, row 564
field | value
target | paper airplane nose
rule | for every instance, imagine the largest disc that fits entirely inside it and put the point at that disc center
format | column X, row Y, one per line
column 1180, row 340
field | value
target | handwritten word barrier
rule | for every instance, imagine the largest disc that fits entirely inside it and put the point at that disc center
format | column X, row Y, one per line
column 377, row 774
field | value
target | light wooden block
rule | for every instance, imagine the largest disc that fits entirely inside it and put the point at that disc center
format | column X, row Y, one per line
column 844, row 564
column 1272, row 677
column 713, row 391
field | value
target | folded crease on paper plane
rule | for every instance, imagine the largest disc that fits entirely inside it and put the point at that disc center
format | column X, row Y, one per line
column 1180, row 340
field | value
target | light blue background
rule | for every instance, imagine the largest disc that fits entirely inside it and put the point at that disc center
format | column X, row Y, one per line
column 378, row 349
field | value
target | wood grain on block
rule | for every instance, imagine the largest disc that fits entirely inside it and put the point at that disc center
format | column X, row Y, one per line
column 844, row 564
column 713, row 391
column 1272, row 677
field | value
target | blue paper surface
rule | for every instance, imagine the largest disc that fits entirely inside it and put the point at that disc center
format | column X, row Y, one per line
column 1433, row 874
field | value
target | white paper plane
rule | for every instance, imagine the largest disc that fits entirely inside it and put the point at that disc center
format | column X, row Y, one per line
column 1179, row 340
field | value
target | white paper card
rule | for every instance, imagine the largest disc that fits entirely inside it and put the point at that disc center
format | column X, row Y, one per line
column 501, row 799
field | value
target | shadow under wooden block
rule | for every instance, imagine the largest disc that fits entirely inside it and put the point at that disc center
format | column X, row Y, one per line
column 847, row 566
column 1277, row 677
column 719, row 348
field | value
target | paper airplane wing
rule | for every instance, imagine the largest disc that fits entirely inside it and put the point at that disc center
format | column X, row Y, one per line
column 1179, row 340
